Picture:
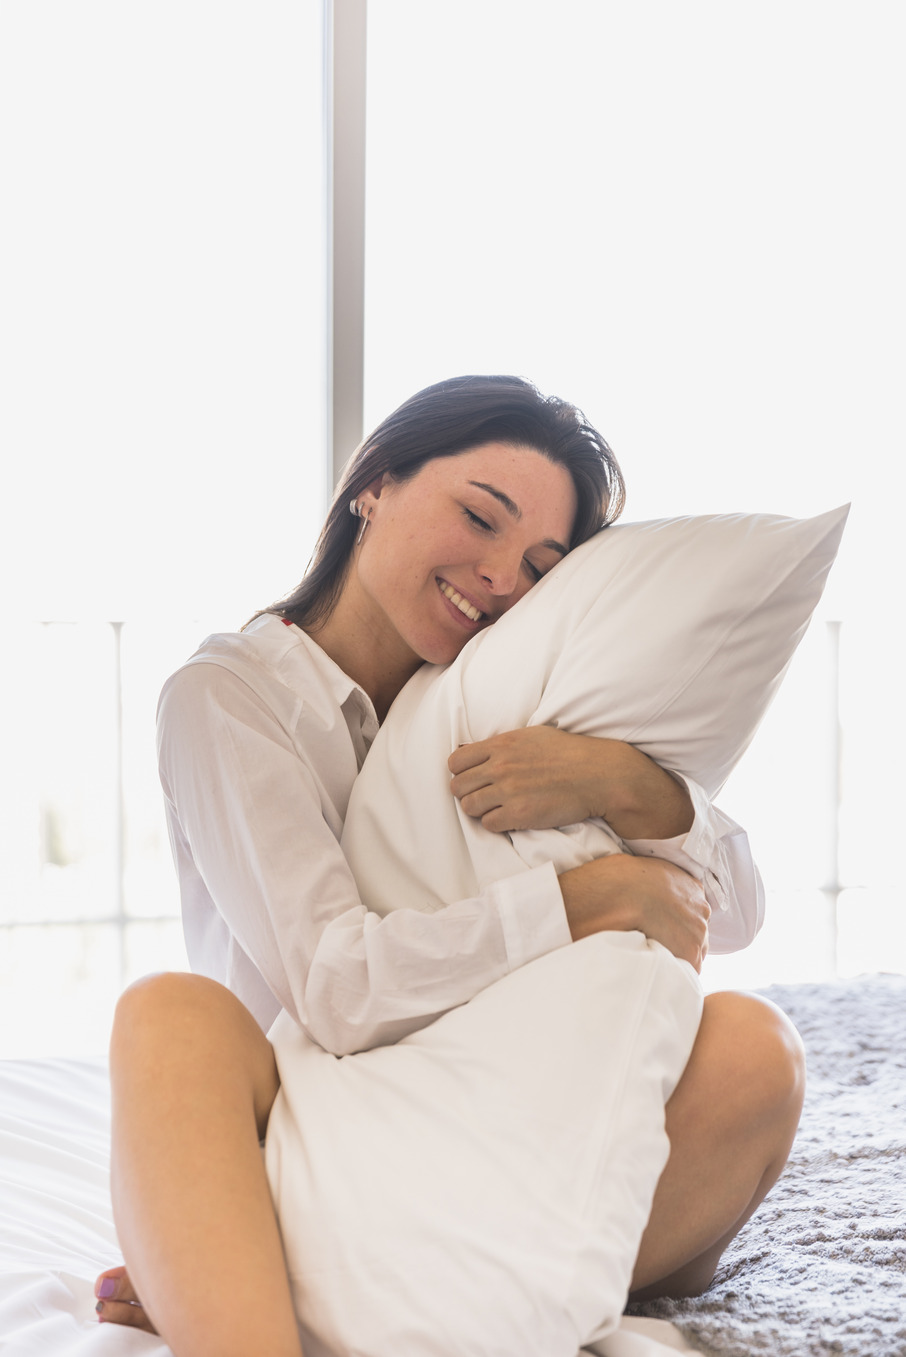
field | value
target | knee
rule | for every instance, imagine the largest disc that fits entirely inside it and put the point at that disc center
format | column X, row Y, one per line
column 154, row 1010
column 760, row 1053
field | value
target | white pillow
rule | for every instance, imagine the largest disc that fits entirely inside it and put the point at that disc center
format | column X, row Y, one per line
column 673, row 635
column 482, row 1186
column 689, row 625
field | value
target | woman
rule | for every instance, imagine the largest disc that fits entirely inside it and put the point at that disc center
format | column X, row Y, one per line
column 261, row 734
column 464, row 497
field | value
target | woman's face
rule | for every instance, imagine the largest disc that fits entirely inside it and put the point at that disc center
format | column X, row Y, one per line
column 449, row 551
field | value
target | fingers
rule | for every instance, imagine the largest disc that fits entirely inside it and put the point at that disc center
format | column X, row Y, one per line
column 471, row 783
column 486, row 780
column 475, row 786
column 698, row 948
column 497, row 809
column 670, row 907
column 478, row 804
column 468, row 756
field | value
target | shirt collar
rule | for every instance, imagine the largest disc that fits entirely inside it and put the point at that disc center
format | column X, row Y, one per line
column 349, row 695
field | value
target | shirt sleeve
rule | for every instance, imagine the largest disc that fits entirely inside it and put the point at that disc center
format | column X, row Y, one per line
column 257, row 831
column 715, row 850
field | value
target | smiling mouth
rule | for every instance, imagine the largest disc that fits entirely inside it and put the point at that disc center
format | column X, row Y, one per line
column 461, row 603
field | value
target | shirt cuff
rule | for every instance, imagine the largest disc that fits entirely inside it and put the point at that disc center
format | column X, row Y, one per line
column 697, row 851
column 532, row 914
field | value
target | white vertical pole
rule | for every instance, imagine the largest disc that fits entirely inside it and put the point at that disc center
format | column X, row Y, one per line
column 345, row 24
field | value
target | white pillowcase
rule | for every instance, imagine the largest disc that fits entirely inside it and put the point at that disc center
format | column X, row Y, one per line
column 481, row 1187
column 689, row 625
column 673, row 635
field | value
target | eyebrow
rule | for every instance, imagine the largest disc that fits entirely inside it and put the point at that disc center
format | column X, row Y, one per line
column 514, row 511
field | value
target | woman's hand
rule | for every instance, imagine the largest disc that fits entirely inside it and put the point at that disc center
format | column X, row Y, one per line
column 118, row 1303
column 542, row 777
column 622, row 893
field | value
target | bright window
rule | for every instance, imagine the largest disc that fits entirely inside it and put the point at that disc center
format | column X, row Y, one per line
column 161, row 322
column 688, row 219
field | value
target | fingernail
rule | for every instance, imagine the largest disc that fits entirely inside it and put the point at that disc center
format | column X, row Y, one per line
column 106, row 1288
column 99, row 1307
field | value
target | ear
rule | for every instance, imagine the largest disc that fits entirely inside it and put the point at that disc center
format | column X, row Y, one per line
column 372, row 493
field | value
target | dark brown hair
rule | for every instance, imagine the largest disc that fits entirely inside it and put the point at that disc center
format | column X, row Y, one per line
column 444, row 419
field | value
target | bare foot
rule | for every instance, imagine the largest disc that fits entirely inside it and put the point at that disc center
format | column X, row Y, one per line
column 118, row 1303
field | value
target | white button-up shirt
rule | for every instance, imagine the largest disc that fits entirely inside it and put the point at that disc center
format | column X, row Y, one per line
column 260, row 738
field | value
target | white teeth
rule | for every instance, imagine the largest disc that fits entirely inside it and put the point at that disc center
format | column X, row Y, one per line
column 462, row 604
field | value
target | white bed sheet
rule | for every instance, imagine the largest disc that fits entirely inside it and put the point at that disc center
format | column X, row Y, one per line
column 56, row 1222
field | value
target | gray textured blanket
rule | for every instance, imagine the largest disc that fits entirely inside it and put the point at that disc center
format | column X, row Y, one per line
column 820, row 1270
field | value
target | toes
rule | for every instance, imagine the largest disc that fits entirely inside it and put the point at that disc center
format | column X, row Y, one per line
column 114, row 1284
column 117, row 1302
column 128, row 1313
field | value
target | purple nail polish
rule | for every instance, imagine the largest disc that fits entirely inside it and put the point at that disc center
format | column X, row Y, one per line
column 107, row 1288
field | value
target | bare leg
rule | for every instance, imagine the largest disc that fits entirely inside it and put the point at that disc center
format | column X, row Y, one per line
column 193, row 1080
column 731, row 1123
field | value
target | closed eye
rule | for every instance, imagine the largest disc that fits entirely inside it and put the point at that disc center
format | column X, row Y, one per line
column 476, row 521
column 481, row 525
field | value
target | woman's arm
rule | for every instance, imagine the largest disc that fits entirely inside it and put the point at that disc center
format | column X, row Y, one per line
column 524, row 779
column 542, row 777
column 716, row 852
column 270, row 905
column 625, row 893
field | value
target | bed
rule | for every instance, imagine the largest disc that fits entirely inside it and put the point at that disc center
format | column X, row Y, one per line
column 820, row 1271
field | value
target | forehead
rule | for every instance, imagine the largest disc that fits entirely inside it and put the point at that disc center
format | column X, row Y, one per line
column 541, row 490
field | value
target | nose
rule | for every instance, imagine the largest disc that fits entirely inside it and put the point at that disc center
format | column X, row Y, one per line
column 501, row 570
